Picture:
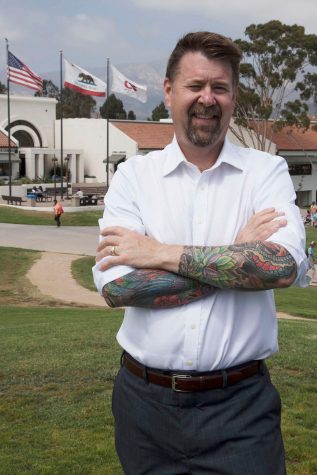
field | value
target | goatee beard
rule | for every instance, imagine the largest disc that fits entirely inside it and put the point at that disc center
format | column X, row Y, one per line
column 204, row 135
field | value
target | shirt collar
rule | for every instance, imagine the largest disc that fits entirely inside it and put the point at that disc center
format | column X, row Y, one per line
column 174, row 156
column 229, row 154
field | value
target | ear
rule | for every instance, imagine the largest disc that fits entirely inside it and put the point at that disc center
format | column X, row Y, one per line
column 167, row 92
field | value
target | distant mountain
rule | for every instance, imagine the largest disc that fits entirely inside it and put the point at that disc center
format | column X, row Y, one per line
column 149, row 74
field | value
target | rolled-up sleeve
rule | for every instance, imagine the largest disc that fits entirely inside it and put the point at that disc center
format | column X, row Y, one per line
column 121, row 209
column 275, row 189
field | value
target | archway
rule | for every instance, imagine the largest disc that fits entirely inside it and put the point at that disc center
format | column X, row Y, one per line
column 24, row 138
column 18, row 126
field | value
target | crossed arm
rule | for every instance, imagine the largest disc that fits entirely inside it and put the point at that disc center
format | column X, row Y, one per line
column 172, row 275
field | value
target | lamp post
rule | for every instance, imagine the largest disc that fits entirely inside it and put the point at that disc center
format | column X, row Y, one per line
column 54, row 160
column 67, row 158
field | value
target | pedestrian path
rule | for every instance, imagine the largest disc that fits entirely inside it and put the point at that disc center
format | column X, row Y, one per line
column 52, row 275
column 66, row 289
column 66, row 239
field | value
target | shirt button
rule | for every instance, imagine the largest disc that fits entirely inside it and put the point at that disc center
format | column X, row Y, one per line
column 189, row 363
column 193, row 327
column 202, row 188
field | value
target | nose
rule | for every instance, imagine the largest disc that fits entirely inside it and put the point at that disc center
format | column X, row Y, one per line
column 207, row 97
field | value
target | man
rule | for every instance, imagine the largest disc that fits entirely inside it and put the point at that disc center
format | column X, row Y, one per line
column 58, row 211
column 193, row 395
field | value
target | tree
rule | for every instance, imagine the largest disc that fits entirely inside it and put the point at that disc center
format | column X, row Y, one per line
column 159, row 112
column 3, row 88
column 131, row 115
column 277, row 59
column 49, row 90
column 113, row 107
column 75, row 104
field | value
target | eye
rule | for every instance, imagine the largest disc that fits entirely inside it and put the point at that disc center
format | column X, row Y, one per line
column 194, row 87
column 220, row 88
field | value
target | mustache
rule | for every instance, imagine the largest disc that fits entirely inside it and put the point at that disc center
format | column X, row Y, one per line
column 207, row 112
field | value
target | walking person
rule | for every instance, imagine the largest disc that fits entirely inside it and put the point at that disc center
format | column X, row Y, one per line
column 193, row 394
column 58, row 211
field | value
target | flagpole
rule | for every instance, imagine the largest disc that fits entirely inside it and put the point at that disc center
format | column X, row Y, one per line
column 61, row 96
column 108, row 59
column 9, row 123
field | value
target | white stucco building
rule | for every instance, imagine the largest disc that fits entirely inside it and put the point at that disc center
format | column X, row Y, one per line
column 90, row 137
column 32, row 127
column 37, row 145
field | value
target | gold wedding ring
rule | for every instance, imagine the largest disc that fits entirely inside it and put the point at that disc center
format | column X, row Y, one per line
column 113, row 251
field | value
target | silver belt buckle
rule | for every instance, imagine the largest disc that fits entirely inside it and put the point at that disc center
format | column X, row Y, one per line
column 175, row 377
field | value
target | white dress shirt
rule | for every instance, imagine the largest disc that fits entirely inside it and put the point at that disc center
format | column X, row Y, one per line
column 166, row 197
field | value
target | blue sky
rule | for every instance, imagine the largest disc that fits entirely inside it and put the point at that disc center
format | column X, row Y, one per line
column 129, row 30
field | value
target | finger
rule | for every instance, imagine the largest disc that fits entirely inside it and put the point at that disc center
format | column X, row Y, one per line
column 267, row 217
column 265, row 211
column 111, row 262
column 265, row 231
column 108, row 241
column 268, row 212
column 98, row 257
column 113, row 230
column 108, row 251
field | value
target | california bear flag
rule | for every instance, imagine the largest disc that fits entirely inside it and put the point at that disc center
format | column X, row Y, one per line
column 82, row 81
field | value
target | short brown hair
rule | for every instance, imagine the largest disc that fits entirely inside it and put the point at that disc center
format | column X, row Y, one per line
column 211, row 45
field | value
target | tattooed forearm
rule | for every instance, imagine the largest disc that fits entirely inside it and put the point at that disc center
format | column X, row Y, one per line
column 153, row 289
column 258, row 265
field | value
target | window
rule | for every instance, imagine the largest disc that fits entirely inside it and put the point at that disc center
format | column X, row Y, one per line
column 302, row 169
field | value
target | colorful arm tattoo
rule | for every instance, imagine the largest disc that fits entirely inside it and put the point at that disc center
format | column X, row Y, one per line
column 252, row 266
column 153, row 289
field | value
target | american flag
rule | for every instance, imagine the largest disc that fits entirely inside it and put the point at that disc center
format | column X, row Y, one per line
column 20, row 74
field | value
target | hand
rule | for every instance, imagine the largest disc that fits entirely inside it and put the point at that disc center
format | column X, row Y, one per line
column 130, row 248
column 261, row 226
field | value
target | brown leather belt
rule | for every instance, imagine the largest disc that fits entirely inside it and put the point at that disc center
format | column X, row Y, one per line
column 191, row 381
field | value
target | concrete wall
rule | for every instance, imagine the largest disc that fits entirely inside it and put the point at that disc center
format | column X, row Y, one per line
column 90, row 136
column 39, row 111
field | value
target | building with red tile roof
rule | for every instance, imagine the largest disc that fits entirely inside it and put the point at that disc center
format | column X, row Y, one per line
column 296, row 145
column 36, row 134
column 148, row 135
column 4, row 139
column 299, row 148
column 4, row 154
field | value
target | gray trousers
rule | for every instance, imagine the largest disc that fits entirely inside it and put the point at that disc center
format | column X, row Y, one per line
column 229, row 431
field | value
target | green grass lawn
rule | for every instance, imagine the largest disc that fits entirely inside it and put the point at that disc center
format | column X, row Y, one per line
column 81, row 270
column 56, row 375
column 295, row 301
column 16, row 288
column 17, row 216
column 293, row 371
column 311, row 234
column 57, row 370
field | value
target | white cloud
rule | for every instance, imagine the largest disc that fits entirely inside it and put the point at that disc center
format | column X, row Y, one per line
column 243, row 12
column 88, row 29
column 129, row 30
